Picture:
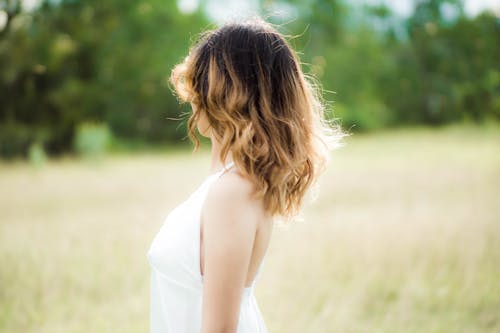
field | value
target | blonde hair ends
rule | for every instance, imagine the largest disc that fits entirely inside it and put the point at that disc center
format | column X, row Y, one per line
column 248, row 82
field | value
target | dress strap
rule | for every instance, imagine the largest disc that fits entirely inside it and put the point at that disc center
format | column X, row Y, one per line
column 225, row 168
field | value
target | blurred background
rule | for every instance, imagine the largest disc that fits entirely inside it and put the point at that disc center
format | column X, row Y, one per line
column 404, row 235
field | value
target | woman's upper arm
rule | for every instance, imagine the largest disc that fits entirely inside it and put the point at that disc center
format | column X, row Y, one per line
column 229, row 228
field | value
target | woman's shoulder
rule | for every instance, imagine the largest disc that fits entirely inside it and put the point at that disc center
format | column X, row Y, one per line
column 232, row 193
column 232, row 183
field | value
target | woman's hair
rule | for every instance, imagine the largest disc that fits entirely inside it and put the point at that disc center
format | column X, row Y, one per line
column 247, row 81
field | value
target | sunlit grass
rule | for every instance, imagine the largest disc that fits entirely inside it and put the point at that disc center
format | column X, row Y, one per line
column 404, row 237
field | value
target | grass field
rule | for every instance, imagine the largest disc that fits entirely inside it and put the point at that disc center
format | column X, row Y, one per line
column 404, row 237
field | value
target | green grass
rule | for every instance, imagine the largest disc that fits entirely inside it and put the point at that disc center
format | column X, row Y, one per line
column 404, row 237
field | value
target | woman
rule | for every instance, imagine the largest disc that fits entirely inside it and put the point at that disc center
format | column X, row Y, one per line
column 269, row 144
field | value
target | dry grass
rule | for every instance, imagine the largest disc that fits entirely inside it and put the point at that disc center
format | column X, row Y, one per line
column 405, row 237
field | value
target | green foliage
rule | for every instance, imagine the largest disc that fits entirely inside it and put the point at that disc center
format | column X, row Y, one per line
column 99, row 60
column 386, row 71
column 71, row 62
column 92, row 140
column 14, row 138
column 455, row 66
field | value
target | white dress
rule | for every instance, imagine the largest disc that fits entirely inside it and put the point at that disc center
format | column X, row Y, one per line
column 176, row 288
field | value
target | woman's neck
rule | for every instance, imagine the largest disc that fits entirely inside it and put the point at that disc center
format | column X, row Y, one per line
column 216, row 162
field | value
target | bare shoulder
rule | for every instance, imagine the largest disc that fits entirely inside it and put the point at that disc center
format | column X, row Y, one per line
column 231, row 184
column 231, row 194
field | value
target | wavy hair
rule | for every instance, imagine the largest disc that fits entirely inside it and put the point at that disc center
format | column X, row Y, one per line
column 247, row 80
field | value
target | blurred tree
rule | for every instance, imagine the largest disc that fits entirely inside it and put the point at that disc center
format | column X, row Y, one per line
column 10, row 8
column 443, row 68
column 68, row 62
column 95, row 60
column 348, row 58
column 449, row 69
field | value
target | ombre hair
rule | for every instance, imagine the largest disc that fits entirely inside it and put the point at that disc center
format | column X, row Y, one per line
column 246, row 79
